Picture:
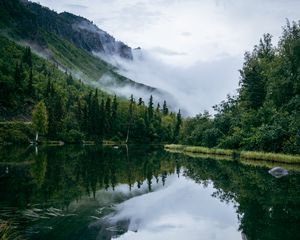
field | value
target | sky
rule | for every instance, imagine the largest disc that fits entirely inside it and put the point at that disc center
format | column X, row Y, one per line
column 192, row 49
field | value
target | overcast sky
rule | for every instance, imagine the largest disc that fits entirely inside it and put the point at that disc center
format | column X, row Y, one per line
column 198, row 44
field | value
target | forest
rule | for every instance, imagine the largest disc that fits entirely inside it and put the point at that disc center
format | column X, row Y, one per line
column 262, row 116
column 265, row 113
column 63, row 108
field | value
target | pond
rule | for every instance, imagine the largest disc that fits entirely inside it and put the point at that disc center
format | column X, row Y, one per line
column 142, row 192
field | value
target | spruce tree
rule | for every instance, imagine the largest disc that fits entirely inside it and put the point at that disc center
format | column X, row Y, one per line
column 108, row 116
column 165, row 108
column 30, row 90
column 177, row 126
column 150, row 109
column 27, row 57
column 140, row 102
column 158, row 107
column 114, row 109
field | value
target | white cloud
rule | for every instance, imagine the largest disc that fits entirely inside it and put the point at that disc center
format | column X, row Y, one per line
column 200, row 42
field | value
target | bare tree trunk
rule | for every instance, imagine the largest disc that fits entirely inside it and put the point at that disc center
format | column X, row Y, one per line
column 127, row 137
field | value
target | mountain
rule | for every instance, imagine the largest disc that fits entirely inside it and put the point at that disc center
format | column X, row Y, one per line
column 28, row 20
column 72, row 42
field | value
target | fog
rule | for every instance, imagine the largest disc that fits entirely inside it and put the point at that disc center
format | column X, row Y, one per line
column 191, row 49
column 192, row 89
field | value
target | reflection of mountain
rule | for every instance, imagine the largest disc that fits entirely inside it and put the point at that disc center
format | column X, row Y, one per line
column 74, row 179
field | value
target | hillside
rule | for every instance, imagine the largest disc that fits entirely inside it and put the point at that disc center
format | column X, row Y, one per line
column 73, row 111
column 67, row 40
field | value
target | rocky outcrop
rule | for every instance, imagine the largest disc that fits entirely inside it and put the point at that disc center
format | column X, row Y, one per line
column 32, row 21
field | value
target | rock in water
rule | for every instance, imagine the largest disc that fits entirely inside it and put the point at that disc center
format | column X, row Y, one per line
column 278, row 172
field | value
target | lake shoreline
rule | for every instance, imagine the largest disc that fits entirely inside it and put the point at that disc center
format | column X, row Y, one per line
column 236, row 154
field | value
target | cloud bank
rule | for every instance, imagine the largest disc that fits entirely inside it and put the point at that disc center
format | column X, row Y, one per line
column 193, row 49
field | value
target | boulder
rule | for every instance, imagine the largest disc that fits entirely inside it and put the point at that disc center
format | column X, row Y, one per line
column 278, row 172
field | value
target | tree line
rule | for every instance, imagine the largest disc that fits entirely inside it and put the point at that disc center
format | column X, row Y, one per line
column 265, row 114
column 63, row 108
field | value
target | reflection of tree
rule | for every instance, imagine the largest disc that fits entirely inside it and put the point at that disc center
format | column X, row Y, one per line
column 62, row 174
column 38, row 169
column 267, row 208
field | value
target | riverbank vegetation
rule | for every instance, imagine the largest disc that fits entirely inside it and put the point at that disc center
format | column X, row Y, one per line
column 264, row 115
column 236, row 154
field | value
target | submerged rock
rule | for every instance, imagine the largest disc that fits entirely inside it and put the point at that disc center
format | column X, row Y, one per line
column 278, row 172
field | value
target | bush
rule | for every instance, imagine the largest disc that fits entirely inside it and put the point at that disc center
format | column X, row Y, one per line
column 15, row 132
column 72, row 136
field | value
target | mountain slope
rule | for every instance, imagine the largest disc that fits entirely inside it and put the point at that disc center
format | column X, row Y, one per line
column 67, row 40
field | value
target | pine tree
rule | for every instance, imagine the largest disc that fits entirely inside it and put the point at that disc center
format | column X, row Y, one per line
column 130, row 117
column 102, row 119
column 27, row 57
column 108, row 116
column 17, row 76
column 30, row 89
column 114, row 109
column 158, row 107
column 70, row 80
column 150, row 109
column 165, row 108
column 177, row 126
column 141, row 102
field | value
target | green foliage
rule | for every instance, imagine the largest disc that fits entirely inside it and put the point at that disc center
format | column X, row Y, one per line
column 265, row 114
column 40, row 118
column 68, row 109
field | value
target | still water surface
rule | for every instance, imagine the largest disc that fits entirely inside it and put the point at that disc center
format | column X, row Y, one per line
column 142, row 192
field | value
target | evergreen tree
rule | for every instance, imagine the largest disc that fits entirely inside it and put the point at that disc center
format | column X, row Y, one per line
column 114, row 109
column 70, row 80
column 150, row 109
column 165, row 108
column 130, row 117
column 177, row 126
column 140, row 102
column 95, row 115
column 102, row 119
column 18, row 76
column 108, row 116
column 27, row 57
column 30, row 89
column 158, row 107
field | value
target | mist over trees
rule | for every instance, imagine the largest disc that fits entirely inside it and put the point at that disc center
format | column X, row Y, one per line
column 74, row 111
column 265, row 115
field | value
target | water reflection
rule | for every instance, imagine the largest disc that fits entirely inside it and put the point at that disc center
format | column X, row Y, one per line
column 93, row 192
column 182, row 208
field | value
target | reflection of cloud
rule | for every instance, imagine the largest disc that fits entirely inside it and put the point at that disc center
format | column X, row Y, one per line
column 168, row 52
column 182, row 208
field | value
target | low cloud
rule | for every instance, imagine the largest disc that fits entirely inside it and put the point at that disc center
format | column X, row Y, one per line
column 186, row 34
column 168, row 52
column 76, row 6
column 193, row 89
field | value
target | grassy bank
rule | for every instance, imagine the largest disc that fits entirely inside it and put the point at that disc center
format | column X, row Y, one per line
column 248, row 155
